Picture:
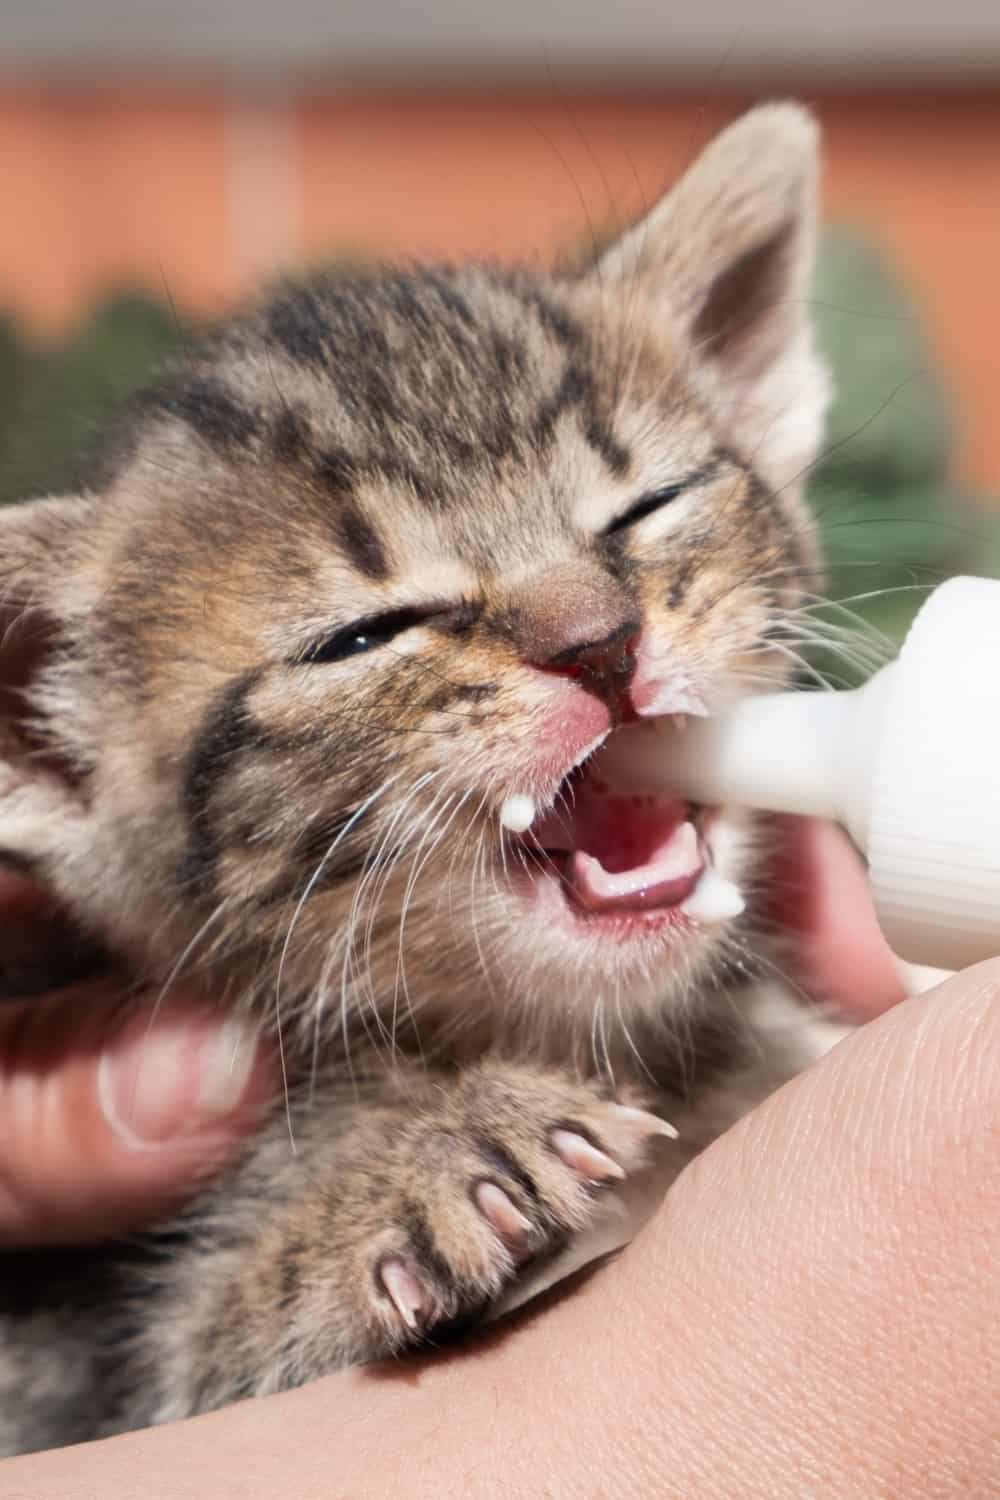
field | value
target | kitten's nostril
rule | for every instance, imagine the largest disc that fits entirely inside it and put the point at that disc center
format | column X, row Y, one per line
column 572, row 669
column 613, row 658
column 606, row 665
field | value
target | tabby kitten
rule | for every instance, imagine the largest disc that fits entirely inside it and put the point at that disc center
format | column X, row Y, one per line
column 303, row 692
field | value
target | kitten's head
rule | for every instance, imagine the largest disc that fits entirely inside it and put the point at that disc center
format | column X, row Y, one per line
column 394, row 550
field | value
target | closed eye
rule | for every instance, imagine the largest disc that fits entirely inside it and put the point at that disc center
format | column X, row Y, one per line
column 362, row 635
column 645, row 506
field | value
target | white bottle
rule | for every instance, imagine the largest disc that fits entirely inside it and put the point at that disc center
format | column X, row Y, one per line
column 909, row 764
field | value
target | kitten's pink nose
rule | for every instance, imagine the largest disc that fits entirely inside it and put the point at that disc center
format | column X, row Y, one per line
column 585, row 627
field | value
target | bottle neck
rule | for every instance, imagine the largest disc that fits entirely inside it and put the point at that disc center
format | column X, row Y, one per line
column 909, row 764
column 807, row 753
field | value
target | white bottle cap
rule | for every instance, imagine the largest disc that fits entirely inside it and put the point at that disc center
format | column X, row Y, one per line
column 934, row 826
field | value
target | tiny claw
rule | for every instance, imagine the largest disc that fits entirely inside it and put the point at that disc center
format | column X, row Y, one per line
column 584, row 1158
column 406, row 1292
column 505, row 1217
column 652, row 1124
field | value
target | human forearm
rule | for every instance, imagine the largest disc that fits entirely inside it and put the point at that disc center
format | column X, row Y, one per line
column 810, row 1314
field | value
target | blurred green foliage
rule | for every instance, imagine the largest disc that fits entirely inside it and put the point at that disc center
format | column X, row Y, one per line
column 892, row 520
column 53, row 399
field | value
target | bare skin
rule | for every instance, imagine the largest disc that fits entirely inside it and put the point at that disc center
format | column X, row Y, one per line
column 103, row 1127
column 69, row 1172
column 811, row 1313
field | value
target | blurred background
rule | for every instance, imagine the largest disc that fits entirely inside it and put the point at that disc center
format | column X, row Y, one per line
column 160, row 158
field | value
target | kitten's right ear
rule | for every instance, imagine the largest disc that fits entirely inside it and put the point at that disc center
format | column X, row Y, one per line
column 39, row 614
column 726, row 257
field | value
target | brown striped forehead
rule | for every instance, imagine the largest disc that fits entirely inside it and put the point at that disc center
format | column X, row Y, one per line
column 361, row 438
column 413, row 380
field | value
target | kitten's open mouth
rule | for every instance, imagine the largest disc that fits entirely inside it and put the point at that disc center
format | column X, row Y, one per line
column 621, row 849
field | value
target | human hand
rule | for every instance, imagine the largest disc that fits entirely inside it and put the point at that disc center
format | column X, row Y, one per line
column 811, row 1313
column 819, row 893
column 104, row 1125
column 108, row 1119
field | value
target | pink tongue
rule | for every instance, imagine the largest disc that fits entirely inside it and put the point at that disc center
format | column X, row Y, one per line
column 620, row 852
column 666, row 879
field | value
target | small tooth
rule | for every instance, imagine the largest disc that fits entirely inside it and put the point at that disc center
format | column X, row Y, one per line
column 680, row 722
column 518, row 813
column 714, row 899
column 684, row 848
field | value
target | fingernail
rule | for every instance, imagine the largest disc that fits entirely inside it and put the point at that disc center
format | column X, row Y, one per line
column 174, row 1077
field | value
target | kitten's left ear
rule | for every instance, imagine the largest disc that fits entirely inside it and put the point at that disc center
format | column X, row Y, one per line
column 40, row 620
column 45, row 828
column 729, row 254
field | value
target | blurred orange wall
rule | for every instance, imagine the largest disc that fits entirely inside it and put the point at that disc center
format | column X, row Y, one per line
column 204, row 189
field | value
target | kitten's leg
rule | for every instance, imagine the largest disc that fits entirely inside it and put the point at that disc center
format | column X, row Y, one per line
column 440, row 1198
column 416, row 1216
column 501, row 1175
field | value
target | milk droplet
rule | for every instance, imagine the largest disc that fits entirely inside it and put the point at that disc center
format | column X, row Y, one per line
column 714, row 899
column 518, row 813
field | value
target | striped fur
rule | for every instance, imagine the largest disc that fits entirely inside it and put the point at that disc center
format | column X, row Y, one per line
column 287, row 651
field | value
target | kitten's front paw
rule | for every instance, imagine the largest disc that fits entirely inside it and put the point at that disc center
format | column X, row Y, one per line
column 506, row 1173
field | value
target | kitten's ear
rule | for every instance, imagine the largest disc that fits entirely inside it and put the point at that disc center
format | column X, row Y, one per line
column 730, row 251
column 38, row 784
column 45, row 830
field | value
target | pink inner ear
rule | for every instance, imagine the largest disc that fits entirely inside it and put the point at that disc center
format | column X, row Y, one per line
column 746, row 312
column 41, row 948
column 27, row 638
column 22, row 647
